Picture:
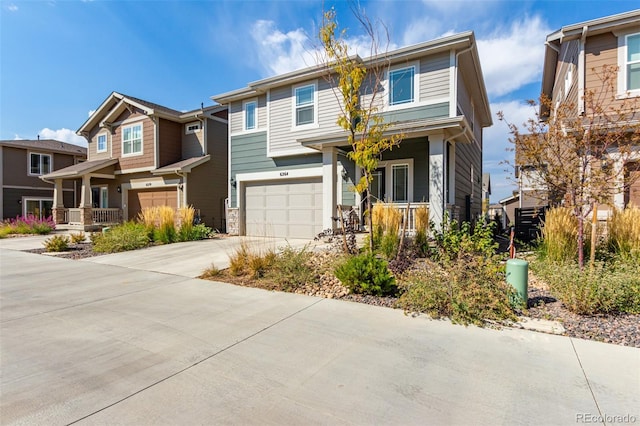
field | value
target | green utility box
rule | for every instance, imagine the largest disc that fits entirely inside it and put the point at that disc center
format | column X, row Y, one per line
column 518, row 277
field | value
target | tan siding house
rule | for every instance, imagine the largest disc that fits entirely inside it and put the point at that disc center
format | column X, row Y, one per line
column 142, row 154
column 22, row 162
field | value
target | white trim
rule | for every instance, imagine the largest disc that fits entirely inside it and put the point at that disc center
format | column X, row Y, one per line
column 100, row 188
column 623, row 92
column 416, row 86
column 34, row 188
column 388, row 177
column 153, row 183
column 315, row 124
column 40, row 199
column 453, row 87
column 122, row 141
column 289, row 152
column 188, row 131
column 29, row 154
column 256, row 126
column 106, row 141
column 128, row 121
column 581, row 76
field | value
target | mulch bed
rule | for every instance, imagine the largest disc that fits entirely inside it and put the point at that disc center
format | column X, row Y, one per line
column 75, row 252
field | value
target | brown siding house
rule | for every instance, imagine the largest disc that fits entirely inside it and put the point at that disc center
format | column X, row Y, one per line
column 142, row 154
column 22, row 162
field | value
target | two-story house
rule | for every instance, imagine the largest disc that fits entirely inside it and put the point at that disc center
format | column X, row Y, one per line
column 142, row 154
column 288, row 164
column 22, row 162
column 574, row 55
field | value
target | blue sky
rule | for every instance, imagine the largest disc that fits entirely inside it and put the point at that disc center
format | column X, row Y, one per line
column 60, row 59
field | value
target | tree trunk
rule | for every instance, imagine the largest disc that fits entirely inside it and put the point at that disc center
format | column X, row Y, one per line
column 594, row 230
column 580, row 239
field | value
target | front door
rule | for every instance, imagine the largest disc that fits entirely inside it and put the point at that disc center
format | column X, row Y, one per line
column 99, row 197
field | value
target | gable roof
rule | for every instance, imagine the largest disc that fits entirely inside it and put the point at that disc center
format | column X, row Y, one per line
column 463, row 42
column 116, row 102
column 49, row 145
column 183, row 166
column 577, row 31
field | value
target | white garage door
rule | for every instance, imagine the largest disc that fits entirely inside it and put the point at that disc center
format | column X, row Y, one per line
column 290, row 208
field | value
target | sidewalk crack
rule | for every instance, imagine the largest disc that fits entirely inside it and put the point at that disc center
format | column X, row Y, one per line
column 595, row 401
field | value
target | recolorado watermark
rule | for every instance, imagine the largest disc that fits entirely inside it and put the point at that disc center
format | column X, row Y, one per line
column 605, row 418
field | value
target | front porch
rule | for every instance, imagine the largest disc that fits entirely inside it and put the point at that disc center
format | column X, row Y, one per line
column 86, row 218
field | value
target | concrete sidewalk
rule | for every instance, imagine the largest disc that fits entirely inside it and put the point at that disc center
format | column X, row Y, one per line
column 104, row 344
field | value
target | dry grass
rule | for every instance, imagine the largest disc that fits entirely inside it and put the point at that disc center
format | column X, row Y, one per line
column 149, row 216
column 422, row 219
column 185, row 216
column 387, row 217
column 624, row 232
column 560, row 235
column 251, row 261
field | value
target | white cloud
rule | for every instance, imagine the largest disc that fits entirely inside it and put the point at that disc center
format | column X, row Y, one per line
column 64, row 135
column 12, row 7
column 280, row 52
column 513, row 58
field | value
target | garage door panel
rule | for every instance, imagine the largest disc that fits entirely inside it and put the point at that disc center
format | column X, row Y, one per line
column 139, row 199
column 290, row 208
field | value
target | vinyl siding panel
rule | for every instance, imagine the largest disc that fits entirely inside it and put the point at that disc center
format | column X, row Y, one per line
column 283, row 134
column 434, row 77
column 249, row 155
column 600, row 50
column 15, row 167
column 348, row 194
column 147, row 159
column 235, row 117
column 192, row 144
column 92, row 145
column 434, row 111
column 468, row 156
column 418, row 149
column 237, row 114
column 170, row 142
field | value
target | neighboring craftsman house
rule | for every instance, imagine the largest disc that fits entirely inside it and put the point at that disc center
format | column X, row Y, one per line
column 288, row 169
column 142, row 154
column 22, row 162
column 573, row 57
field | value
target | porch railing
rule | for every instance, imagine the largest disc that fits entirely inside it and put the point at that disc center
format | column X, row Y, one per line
column 413, row 207
column 106, row 216
column 74, row 216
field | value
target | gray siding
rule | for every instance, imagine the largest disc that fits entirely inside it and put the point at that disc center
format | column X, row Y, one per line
column 418, row 149
column 440, row 110
column 434, row 77
column 236, row 114
column 249, row 155
column 192, row 144
column 283, row 135
column 567, row 60
column 468, row 155
column 348, row 193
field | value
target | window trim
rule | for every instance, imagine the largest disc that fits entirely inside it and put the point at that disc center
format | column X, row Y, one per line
column 40, row 200
column 41, row 154
column 388, row 166
column 102, row 190
column 416, row 86
column 245, row 105
column 106, row 142
column 132, row 153
column 623, row 92
column 188, row 131
column 294, row 108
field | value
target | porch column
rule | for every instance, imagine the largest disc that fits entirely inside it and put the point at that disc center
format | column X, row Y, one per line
column 58, row 202
column 329, row 199
column 86, row 212
column 436, row 179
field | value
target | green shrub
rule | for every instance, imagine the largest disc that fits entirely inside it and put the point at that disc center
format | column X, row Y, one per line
column 624, row 233
column 471, row 291
column 195, row 232
column 291, row 268
column 601, row 290
column 389, row 244
column 128, row 236
column 5, row 230
column 57, row 243
column 77, row 238
column 454, row 241
column 366, row 274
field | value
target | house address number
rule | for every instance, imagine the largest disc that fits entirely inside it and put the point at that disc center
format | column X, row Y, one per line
column 284, row 173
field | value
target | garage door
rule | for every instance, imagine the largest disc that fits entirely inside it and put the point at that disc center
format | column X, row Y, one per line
column 290, row 209
column 142, row 198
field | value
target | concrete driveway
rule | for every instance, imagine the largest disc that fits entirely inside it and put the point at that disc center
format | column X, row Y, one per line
column 103, row 344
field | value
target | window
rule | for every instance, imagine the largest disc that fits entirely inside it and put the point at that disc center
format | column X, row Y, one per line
column 39, row 164
column 400, row 179
column 132, row 140
column 305, row 105
column 250, row 115
column 401, row 86
column 192, row 127
column 100, row 197
column 40, row 208
column 102, row 143
column 632, row 62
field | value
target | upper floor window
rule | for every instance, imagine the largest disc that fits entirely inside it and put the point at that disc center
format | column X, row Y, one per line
column 39, row 164
column 632, row 64
column 305, row 105
column 192, row 127
column 250, row 115
column 132, row 140
column 401, row 86
column 102, row 143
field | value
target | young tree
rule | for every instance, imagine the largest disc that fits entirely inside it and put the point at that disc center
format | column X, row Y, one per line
column 580, row 159
column 353, row 82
